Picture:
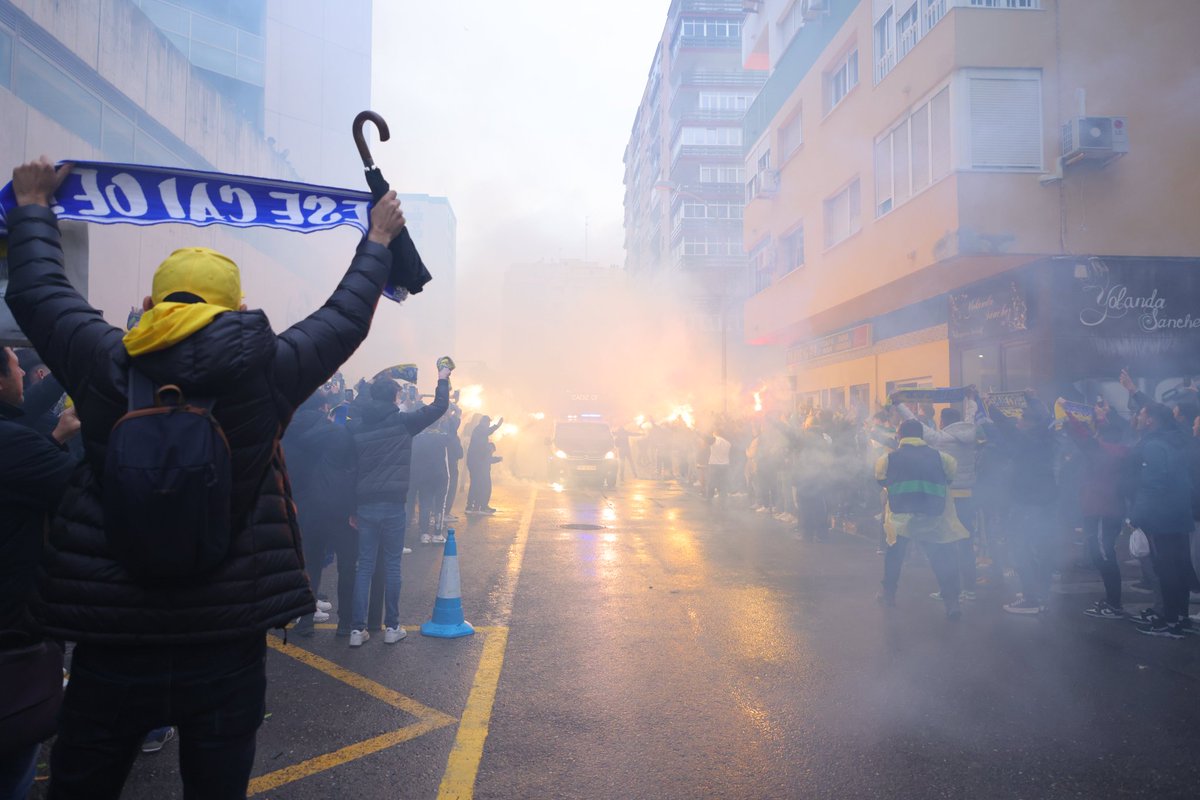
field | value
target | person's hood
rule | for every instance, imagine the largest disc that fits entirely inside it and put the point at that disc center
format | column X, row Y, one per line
column 217, row 359
column 374, row 412
column 965, row 432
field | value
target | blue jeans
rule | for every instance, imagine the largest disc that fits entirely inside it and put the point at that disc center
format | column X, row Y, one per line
column 380, row 529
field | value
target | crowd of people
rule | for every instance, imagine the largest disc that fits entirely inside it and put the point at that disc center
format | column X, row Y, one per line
column 989, row 490
column 154, row 482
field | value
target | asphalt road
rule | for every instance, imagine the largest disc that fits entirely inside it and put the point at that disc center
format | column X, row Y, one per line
column 673, row 649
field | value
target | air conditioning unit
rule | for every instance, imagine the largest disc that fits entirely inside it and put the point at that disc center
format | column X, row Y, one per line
column 1094, row 138
column 811, row 9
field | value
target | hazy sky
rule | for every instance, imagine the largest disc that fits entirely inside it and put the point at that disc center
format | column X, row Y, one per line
column 519, row 112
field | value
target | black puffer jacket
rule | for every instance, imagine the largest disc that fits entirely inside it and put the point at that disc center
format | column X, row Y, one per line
column 383, row 435
column 258, row 380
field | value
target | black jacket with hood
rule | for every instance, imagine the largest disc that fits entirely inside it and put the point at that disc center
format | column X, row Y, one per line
column 383, row 435
column 257, row 378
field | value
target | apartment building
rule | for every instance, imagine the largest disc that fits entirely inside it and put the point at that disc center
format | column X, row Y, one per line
column 988, row 192
column 684, row 177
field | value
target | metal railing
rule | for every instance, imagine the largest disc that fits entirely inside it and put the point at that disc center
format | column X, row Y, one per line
column 933, row 12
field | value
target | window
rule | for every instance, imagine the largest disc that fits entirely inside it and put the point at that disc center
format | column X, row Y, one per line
column 907, row 31
column 718, row 173
column 791, row 22
column 791, row 250
column 885, row 45
column 712, row 28
column 913, row 154
column 724, row 101
column 791, row 136
column 762, row 264
column 840, row 80
column 693, row 210
column 1005, row 119
column 843, row 215
column 710, row 245
column 6, row 44
column 1005, row 3
column 712, row 136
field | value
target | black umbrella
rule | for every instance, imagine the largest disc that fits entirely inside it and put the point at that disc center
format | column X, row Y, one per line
column 408, row 271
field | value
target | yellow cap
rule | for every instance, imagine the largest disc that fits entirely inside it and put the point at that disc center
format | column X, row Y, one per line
column 202, row 272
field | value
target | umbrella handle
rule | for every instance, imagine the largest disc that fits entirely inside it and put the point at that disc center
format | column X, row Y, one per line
column 360, row 141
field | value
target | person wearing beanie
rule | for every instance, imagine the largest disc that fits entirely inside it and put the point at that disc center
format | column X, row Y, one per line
column 192, row 652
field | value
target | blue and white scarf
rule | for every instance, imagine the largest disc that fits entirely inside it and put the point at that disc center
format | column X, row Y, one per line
column 140, row 195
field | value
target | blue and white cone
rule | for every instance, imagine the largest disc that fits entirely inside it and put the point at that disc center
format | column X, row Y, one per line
column 448, row 622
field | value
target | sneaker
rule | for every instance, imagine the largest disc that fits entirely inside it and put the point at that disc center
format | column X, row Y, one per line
column 935, row 596
column 1024, row 606
column 393, row 635
column 426, row 538
column 1189, row 627
column 885, row 600
column 489, row 510
column 966, row 595
column 321, row 616
column 439, row 539
column 155, row 740
column 324, row 605
column 1102, row 610
column 1162, row 630
column 405, row 551
column 358, row 637
column 450, row 518
column 1147, row 616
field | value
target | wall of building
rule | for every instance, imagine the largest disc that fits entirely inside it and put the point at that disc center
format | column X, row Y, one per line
column 971, row 223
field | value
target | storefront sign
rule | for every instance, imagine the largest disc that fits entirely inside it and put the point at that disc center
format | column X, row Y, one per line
column 988, row 312
column 1108, row 302
column 840, row 342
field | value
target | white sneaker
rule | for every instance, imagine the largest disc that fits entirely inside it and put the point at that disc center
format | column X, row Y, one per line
column 358, row 637
column 426, row 538
column 390, row 635
column 321, row 616
column 439, row 539
column 405, row 551
column 324, row 605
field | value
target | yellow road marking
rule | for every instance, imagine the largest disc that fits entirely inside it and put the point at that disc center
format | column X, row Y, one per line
column 428, row 719
column 458, row 782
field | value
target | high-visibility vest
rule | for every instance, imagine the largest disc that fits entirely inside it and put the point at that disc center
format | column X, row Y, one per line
column 916, row 481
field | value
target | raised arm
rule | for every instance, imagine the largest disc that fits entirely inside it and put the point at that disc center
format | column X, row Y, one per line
column 70, row 335
column 309, row 352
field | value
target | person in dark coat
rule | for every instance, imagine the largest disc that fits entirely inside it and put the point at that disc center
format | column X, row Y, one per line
column 1102, row 502
column 1031, row 490
column 383, row 437
column 430, row 475
column 34, row 470
column 323, row 467
column 479, row 464
column 454, row 454
column 1162, row 508
column 190, row 654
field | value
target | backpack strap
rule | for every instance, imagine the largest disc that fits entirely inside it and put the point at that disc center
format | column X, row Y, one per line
column 144, row 394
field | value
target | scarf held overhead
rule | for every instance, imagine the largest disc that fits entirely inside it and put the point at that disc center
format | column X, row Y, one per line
column 133, row 194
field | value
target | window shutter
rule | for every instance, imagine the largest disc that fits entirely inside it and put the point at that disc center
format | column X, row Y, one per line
column 1006, row 123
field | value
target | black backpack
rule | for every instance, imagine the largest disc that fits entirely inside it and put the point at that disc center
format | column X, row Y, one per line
column 167, row 485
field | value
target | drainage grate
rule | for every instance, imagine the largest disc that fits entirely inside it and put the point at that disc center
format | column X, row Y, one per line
column 581, row 526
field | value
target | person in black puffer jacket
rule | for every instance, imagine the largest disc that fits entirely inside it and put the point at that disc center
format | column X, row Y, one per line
column 190, row 654
column 323, row 467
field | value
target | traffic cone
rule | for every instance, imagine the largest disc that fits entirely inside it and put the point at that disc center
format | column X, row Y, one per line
column 448, row 622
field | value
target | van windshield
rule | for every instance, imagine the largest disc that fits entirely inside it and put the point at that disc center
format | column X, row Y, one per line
column 583, row 436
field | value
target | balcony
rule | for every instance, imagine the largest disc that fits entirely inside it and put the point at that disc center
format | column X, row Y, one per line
column 710, row 78
column 933, row 12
